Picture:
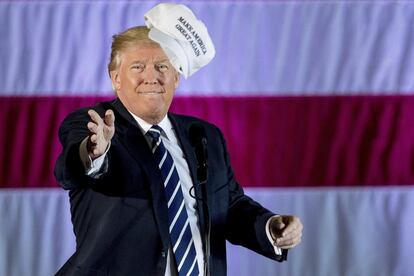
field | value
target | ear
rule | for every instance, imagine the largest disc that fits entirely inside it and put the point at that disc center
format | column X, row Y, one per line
column 116, row 82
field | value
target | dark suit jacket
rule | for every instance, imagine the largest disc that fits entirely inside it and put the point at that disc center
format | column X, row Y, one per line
column 120, row 219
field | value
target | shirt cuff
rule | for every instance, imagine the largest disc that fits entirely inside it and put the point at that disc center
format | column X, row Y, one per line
column 278, row 251
column 92, row 167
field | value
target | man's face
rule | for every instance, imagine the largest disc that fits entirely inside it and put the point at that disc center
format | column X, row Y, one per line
column 145, row 81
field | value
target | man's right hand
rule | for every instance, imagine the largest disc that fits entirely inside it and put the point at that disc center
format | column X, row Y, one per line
column 102, row 130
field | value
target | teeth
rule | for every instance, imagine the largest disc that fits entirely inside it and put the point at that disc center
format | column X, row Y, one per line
column 150, row 92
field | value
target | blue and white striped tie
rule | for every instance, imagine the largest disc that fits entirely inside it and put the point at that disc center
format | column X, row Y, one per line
column 179, row 226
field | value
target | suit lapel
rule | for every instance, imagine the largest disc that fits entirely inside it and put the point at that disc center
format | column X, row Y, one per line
column 181, row 130
column 132, row 138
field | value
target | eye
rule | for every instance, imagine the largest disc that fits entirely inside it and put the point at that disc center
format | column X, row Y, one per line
column 138, row 67
column 162, row 67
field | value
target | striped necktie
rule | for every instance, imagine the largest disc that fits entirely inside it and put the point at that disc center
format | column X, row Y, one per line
column 179, row 226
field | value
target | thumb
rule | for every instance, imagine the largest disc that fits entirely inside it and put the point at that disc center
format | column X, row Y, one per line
column 109, row 118
column 276, row 227
column 277, row 223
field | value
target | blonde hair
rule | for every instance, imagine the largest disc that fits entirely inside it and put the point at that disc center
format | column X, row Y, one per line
column 127, row 38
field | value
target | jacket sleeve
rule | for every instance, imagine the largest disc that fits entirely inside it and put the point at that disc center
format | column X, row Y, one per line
column 246, row 219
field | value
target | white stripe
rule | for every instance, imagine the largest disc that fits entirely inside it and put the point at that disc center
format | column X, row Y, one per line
column 155, row 130
column 181, row 235
column 174, row 193
column 156, row 145
column 176, row 216
column 192, row 266
column 312, row 71
column 169, row 175
column 163, row 159
column 185, row 255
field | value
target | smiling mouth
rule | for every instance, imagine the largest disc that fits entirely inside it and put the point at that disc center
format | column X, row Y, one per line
column 151, row 92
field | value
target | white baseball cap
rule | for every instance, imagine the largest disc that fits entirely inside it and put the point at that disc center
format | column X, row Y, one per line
column 184, row 38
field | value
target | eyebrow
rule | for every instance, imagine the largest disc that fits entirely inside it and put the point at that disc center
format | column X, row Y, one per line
column 163, row 60
column 146, row 60
column 138, row 61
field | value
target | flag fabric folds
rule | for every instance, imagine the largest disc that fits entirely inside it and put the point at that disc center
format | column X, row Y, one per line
column 329, row 86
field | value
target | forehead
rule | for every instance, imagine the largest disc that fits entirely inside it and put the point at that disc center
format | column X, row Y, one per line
column 143, row 52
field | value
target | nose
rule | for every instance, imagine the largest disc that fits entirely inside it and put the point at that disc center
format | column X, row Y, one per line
column 150, row 75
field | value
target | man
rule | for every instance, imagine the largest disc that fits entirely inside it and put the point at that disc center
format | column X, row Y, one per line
column 131, row 174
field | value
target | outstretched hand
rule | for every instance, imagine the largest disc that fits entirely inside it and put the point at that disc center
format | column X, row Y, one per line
column 286, row 231
column 102, row 130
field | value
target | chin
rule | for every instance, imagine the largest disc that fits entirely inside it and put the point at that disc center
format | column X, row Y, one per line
column 154, row 116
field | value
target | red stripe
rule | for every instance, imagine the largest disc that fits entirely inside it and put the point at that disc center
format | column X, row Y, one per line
column 273, row 141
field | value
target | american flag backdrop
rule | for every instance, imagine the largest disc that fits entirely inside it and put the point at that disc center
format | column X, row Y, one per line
column 315, row 99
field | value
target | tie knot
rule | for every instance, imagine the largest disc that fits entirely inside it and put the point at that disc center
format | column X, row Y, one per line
column 155, row 132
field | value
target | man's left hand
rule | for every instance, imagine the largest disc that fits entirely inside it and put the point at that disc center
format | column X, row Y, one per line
column 286, row 231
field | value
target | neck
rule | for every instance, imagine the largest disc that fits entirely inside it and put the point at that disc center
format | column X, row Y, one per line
column 153, row 120
column 149, row 120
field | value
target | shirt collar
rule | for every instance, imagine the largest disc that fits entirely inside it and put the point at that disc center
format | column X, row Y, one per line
column 165, row 124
